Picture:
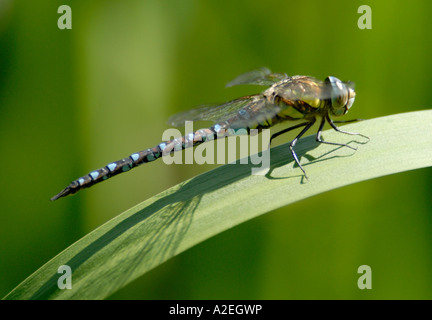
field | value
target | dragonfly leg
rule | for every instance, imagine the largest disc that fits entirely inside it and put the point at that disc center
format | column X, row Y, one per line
column 286, row 130
column 332, row 123
column 293, row 143
column 320, row 140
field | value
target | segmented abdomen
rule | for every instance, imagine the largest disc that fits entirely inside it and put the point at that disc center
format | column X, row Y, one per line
column 148, row 155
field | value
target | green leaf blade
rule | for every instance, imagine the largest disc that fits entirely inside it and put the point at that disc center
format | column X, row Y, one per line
column 167, row 224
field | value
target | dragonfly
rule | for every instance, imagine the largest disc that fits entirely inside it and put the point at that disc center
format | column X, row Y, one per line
column 287, row 98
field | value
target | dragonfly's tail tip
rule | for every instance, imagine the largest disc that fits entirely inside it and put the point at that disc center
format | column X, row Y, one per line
column 62, row 193
column 55, row 197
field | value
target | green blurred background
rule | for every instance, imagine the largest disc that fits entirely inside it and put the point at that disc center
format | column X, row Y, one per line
column 73, row 100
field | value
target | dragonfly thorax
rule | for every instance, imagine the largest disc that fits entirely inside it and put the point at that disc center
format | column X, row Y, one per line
column 342, row 96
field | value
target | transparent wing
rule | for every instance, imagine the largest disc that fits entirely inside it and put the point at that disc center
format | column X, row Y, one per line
column 254, row 109
column 257, row 112
column 261, row 77
column 244, row 112
column 214, row 113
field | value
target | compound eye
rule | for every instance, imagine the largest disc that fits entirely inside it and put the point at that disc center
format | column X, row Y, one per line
column 340, row 101
column 338, row 95
column 351, row 99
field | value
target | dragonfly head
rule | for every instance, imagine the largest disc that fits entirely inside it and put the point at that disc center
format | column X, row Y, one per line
column 342, row 96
